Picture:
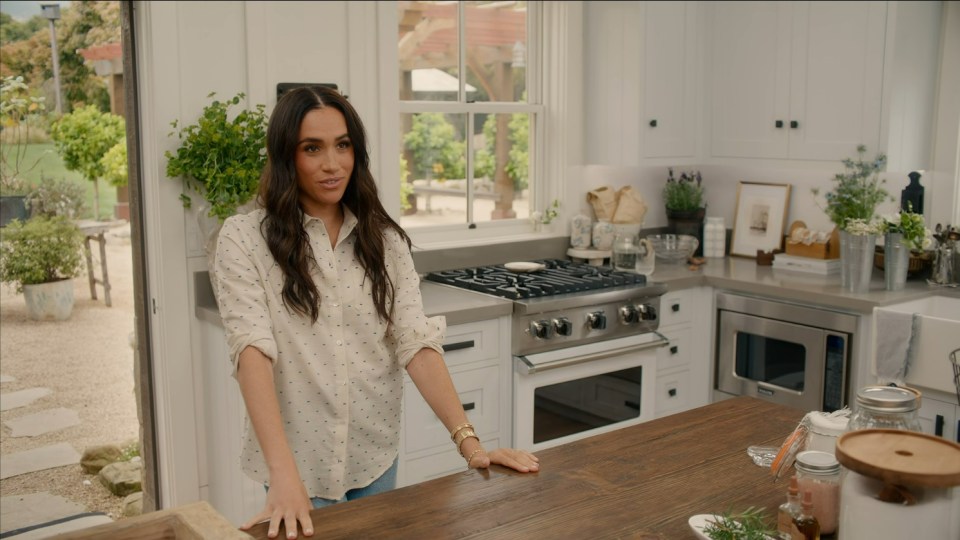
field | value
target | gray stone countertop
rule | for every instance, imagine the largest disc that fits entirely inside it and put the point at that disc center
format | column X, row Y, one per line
column 744, row 275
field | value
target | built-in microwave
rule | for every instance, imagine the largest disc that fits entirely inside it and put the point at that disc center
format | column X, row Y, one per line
column 790, row 354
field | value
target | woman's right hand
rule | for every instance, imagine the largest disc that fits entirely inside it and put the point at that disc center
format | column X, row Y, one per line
column 287, row 502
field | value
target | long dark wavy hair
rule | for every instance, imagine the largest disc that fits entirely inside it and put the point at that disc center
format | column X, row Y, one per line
column 280, row 197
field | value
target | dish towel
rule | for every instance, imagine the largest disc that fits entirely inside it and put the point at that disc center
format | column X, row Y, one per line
column 893, row 349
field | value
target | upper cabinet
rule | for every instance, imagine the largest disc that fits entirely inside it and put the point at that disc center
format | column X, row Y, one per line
column 641, row 81
column 669, row 78
column 795, row 80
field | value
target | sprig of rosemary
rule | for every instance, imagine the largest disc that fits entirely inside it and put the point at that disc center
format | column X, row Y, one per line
column 751, row 524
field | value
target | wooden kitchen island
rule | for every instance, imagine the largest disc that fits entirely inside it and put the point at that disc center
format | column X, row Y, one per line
column 643, row 481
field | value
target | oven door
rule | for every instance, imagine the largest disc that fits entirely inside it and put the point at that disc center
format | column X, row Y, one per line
column 771, row 359
column 568, row 394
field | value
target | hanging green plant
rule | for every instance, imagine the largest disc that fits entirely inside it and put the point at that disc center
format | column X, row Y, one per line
column 220, row 158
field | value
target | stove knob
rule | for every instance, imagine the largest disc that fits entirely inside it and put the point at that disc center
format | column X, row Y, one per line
column 647, row 312
column 541, row 329
column 597, row 320
column 629, row 314
column 562, row 326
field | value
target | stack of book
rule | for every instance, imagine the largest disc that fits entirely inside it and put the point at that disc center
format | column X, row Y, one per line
column 806, row 264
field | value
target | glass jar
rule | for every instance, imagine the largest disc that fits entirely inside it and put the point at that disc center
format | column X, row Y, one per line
column 626, row 249
column 819, row 473
column 886, row 407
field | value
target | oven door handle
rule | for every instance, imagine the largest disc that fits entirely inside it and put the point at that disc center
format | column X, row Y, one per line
column 525, row 367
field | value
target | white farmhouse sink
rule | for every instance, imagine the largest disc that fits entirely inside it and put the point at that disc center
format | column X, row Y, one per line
column 939, row 335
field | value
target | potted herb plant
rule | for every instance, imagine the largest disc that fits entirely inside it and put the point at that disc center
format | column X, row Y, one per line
column 851, row 205
column 40, row 257
column 905, row 237
column 219, row 157
column 684, row 202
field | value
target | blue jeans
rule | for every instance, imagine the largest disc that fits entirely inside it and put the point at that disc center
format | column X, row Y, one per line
column 386, row 482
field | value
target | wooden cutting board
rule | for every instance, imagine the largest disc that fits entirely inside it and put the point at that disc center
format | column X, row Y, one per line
column 898, row 457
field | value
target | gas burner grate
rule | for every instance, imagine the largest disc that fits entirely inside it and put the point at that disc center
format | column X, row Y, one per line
column 559, row 277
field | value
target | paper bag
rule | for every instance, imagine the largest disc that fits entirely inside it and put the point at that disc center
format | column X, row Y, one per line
column 604, row 202
column 630, row 207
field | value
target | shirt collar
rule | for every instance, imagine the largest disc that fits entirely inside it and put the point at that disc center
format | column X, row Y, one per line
column 349, row 221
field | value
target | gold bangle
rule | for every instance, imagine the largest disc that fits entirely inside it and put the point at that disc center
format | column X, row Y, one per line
column 474, row 453
column 457, row 429
column 460, row 446
column 464, row 433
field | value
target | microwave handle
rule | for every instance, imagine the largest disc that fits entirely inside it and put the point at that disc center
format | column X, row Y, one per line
column 525, row 367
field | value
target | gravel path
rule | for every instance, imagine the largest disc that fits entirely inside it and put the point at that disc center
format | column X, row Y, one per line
column 87, row 362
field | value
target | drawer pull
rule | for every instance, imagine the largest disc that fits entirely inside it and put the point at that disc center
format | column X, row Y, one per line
column 672, row 392
column 469, row 406
column 674, row 349
column 458, row 345
column 675, row 307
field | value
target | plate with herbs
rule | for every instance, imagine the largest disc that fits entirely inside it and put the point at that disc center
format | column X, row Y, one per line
column 751, row 524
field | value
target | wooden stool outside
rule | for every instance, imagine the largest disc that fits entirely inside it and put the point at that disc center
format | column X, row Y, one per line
column 94, row 230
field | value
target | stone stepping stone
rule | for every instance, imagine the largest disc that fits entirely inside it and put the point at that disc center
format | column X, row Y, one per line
column 19, row 511
column 12, row 400
column 42, row 422
column 38, row 459
column 6, row 378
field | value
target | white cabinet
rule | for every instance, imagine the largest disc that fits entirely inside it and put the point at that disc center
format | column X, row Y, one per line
column 477, row 355
column 940, row 417
column 642, row 79
column 683, row 366
column 669, row 79
column 795, row 80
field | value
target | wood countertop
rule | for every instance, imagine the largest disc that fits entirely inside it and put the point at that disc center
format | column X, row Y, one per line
column 643, row 481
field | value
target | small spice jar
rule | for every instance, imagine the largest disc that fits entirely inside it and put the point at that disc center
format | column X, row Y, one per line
column 886, row 407
column 819, row 473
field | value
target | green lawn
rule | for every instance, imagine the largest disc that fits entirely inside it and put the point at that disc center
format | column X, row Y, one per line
column 49, row 165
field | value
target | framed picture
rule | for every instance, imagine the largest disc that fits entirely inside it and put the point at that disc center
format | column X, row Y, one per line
column 760, row 218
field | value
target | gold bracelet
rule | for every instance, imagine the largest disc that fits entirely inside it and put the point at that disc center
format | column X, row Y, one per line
column 460, row 446
column 464, row 434
column 475, row 452
column 457, row 429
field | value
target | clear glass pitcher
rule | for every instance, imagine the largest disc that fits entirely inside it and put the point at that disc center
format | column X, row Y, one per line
column 632, row 254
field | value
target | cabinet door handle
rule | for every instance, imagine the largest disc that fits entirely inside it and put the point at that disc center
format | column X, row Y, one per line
column 674, row 349
column 938, row 426
column 469, row 406
column 672, row 392
column 794, row 124
column 653, row 123
column 675, row 307
column 459, row 345
column 778, row 124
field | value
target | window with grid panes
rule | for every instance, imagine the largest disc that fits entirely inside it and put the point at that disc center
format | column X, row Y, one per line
column 468, row 114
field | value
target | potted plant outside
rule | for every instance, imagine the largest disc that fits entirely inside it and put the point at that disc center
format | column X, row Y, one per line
column 684, row 202
column 40, row 257
column 19, row 112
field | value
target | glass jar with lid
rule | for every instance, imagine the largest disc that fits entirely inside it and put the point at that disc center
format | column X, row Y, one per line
column 819, row 473
column 886, row 407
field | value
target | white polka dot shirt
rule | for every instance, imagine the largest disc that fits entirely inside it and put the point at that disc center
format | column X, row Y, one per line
column 339, row 380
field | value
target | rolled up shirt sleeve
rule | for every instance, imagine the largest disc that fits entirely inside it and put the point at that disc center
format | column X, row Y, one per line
column 411, row 330
column 241, row 291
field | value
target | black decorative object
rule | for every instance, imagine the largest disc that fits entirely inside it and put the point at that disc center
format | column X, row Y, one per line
column 911, row 198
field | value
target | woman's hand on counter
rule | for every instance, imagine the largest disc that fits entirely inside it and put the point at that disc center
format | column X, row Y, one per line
column 518, row 460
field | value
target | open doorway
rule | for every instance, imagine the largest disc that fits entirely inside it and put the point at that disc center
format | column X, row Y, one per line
column 87, row 378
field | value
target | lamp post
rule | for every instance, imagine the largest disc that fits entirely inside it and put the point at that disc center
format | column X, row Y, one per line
column 52, row 13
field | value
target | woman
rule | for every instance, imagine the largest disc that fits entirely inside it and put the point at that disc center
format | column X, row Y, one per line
column 321, row 306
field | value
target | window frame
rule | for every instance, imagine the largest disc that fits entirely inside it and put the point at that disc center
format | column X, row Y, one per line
column 554, row 48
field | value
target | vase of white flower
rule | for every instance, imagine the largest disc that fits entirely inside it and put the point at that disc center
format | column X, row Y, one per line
column 857, row 243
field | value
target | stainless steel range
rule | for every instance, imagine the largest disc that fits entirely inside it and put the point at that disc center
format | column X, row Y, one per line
column 584, row 346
